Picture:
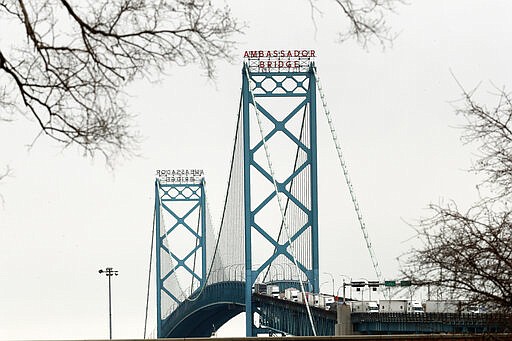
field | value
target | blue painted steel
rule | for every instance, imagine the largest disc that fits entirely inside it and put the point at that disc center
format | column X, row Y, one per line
column 202, row 240
column 429, row 323
column 246, row 100
column 314, row 182
column 157, row 242
column 165, row 195
column 285, row 284
column 219, row 302
column 205, row 311
column 292, row 318
column 210, row 306
column 305, row 87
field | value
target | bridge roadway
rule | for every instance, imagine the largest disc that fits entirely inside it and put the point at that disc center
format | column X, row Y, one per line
column 418, row 337
column 204, row 313
column 415, row 337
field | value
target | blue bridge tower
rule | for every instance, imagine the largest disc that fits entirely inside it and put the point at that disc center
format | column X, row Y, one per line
column 180, row 201
column 268, row 233
column 280, row 176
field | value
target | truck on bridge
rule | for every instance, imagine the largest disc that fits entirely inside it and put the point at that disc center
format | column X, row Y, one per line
column 451, row 306
column 326, row 301
column 311, row 298
column 364, row 306
column 273, row 290
column 400, row 306
column 260, row 288
column 393, row 306
column 291, row 294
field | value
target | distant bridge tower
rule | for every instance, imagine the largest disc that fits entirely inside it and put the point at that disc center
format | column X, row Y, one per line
column 181, row 253
column 279, row 151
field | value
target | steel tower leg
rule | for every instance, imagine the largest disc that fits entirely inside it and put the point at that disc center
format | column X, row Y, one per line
column 158, row 262
column 249, row 317
column 191, row 200
column 304, row 88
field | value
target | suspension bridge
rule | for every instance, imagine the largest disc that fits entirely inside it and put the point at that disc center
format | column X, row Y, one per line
column 268, row 231
column 269, row 227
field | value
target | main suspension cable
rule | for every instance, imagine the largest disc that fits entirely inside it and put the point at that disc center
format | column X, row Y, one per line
column 149, row 272
column 195, row 253
column 223, row 212
column 347, row 178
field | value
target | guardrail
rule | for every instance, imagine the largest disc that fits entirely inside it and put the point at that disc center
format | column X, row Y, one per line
column 431, row 323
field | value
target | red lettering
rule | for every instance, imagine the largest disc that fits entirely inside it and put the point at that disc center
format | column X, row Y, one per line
column 275, row 56
column 261, row 64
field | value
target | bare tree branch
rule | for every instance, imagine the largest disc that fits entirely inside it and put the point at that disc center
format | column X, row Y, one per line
column 469, row 254
column 78, row 55
column 367, row 20
column 70, row 73
column 7, row 172
column 491, row 130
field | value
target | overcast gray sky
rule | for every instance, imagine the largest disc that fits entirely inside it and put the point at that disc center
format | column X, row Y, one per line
column 65, row 216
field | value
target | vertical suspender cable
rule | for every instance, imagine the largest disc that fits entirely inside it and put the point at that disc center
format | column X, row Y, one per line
column 149, row 272
column 347, row 179
column 195, row 253
column 217, row 242
column 281, row 209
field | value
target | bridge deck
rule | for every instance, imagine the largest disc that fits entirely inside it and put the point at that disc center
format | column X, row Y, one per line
column 417, row 337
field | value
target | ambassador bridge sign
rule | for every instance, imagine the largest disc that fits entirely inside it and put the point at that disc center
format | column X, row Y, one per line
column 279, row 60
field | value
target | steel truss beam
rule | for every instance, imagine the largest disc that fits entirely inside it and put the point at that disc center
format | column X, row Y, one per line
column 273, row 86
column 192, row 196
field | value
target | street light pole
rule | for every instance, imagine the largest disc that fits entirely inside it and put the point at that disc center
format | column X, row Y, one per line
column 345, row 284
column 332, row 279
column 344, row 295
column 109, row 272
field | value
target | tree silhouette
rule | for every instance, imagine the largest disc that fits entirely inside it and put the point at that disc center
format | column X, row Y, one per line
column 468, row 254
column 70, row 71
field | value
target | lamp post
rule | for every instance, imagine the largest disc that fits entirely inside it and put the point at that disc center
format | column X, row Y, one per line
column 343, row 277
column 320, row 287
column 338, row 291
column 282, row 272
column 332, row 279
column 109, row 272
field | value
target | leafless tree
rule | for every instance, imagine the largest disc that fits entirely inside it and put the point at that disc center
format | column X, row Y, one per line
column 468, row 254
column 70, row 71
column 367, row 20
column 5, row 173
column 491, row 130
